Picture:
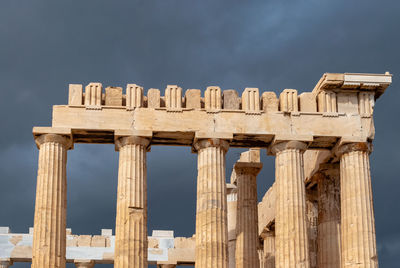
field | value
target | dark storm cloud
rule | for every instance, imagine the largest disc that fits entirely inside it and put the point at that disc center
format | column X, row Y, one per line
column 44, row 45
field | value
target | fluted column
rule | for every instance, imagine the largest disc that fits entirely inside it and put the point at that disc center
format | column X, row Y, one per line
column 211, row 213
column 5, row 263
column 232, row 214
column 358, row 239
column 49, row 235
column 269, row 250
column 84, row 263
column 290, row 220
column 328, row 216
column 247, row 216
column 131, row 221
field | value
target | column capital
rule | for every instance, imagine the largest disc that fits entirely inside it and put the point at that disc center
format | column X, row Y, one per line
column 57, row 138
column 353, row 147
column 127, row 140
column 277, row 147
column 248, row 167
column 212, row 142
column 84, row 263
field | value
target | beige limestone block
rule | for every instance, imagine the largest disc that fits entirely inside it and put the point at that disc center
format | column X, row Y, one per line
column 231, row 99
column 328, row 216
column 270, row 102
column 232, row 215
column 327, row 102
column 131, row 221
column 291, row 244
column 113, row 96
column 347, row 102
column 269, row 250
column 173, row 97
column 134, row 96
column 288, row 101
column 72, row 240
column 247, row 217
column 84, row 263
column 84, row 240
column 93, row 94
column 212, row 98
column 366, row 102
column 211, row 212
column 5, row 263
column 193, row 98
column 358, row 238
column 98, row 241
column 153, row 98
column 251, row 100
column 49, row 236
column 308, row 102
column 75, row 94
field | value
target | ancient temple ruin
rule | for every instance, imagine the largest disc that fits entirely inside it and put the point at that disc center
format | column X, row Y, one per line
column 318, row 213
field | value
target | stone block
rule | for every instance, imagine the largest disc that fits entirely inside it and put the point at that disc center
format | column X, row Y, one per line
column 72, row 240
column 162, row 233
column 347, row 102
column 152, row 242
column 75, row 94
column 84, row 240
column 153, row 98
column 68, row 231
column 288, row 101
column 366, row 102
column 4, row 230
column 251, row 100
column 134, row 96
column 31, row 230
column 98, row 241
column 231, row 99
column 193, row 98
column 173, row 97
column 327, row 102
column 93, row 94
column 114, row 96
column 252, row 155
column 106, row 232
column 308, row 102
column 270, row 102
column 212, row 98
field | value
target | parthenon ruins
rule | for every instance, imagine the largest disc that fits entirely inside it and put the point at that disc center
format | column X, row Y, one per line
column 318, row 213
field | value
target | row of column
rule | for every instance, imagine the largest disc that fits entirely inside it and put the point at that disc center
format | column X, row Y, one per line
column 358, row 246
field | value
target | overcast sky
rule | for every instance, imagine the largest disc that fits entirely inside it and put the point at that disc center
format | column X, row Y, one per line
column 272, row 45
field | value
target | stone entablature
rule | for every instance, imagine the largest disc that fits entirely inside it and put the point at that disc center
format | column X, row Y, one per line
column 163, row 248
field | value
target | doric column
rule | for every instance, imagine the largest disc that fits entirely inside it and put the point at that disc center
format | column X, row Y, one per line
column 291, row 244
column 232, row 214
column 84, row 263
column 131, row 221
column 269, row 250
column 5, row 263
column 358, row 241
column 247, row 217
column 328, row 216
column 211, row 214
column 49, row 235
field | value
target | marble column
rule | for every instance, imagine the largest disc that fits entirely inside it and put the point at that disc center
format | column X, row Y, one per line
column 84, row 263
column 247, row 242
column 269, row 250
column 5, row 263
column 328, row 216
column 49, row 235
column 291, row 244
column 131, row 220
column 211, row 213
column 358, row 241
column 232, row 214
